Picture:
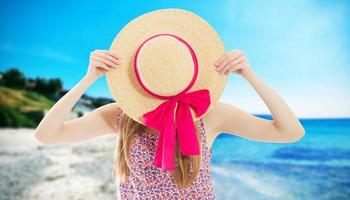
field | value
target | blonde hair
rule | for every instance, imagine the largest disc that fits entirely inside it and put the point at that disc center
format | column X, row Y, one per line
column 128, row 129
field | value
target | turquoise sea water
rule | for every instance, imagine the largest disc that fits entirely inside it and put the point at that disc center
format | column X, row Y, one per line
column 315, row 167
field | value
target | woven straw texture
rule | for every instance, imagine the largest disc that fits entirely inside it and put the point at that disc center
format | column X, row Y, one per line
column 165, row 65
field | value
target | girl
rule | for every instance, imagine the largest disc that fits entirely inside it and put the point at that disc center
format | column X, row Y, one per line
column 136, row 143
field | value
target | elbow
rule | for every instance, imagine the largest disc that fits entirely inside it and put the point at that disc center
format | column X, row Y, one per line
column 42, row 138
column 295, row 135
column 47, row 136
column 39, row 137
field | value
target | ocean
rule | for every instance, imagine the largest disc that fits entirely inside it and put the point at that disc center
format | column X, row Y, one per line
column 315, row 167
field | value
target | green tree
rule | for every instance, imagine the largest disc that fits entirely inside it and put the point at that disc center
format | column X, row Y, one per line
column 13, row 78
column 54, row 86
column 48, row 87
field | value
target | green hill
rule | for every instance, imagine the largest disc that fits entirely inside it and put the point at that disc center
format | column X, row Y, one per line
column 21, row 108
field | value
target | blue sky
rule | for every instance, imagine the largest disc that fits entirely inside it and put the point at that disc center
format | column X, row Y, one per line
column 300, row 48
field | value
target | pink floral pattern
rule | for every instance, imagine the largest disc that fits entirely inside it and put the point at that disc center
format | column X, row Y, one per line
column 146, row 181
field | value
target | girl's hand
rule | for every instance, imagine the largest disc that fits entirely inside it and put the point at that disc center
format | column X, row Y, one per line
column 102, row 61
column 234, row 61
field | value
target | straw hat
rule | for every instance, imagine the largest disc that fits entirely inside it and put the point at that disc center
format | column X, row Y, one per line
column 167, row 55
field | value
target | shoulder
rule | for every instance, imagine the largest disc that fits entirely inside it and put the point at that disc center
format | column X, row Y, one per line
column 110, row 112
column 109, row 109
column 210, row 120
column 218, row 115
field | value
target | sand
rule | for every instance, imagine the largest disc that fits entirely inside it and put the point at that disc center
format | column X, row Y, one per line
column 33, row 171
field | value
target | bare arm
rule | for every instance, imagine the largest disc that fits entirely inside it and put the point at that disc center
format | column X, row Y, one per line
column 285, row 126
column 54, row 130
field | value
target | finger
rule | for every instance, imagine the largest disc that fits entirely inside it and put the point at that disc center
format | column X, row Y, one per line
column 109, row 52
column 107, row 56
column 232, row 63
column 234, row 53
column 104, row 60
column 224, row 63
column 102, row 65
column 234, row 69
column 232, row 56
column 102, row 69
column 220, row 59
column 114, row 54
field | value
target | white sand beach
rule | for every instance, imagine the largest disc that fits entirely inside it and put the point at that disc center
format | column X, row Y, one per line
column 32, row 171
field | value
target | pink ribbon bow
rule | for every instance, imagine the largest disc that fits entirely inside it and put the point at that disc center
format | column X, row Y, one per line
column 162, row 119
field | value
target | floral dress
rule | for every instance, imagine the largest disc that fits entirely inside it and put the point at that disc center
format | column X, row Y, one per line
column 146, row 181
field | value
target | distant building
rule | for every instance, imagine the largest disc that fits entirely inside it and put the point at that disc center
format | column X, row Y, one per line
column 85, row 104
column 30, row 84
column 82, row 107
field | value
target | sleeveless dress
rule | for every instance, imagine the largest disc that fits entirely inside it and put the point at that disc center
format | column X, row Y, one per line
column 146, row 181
